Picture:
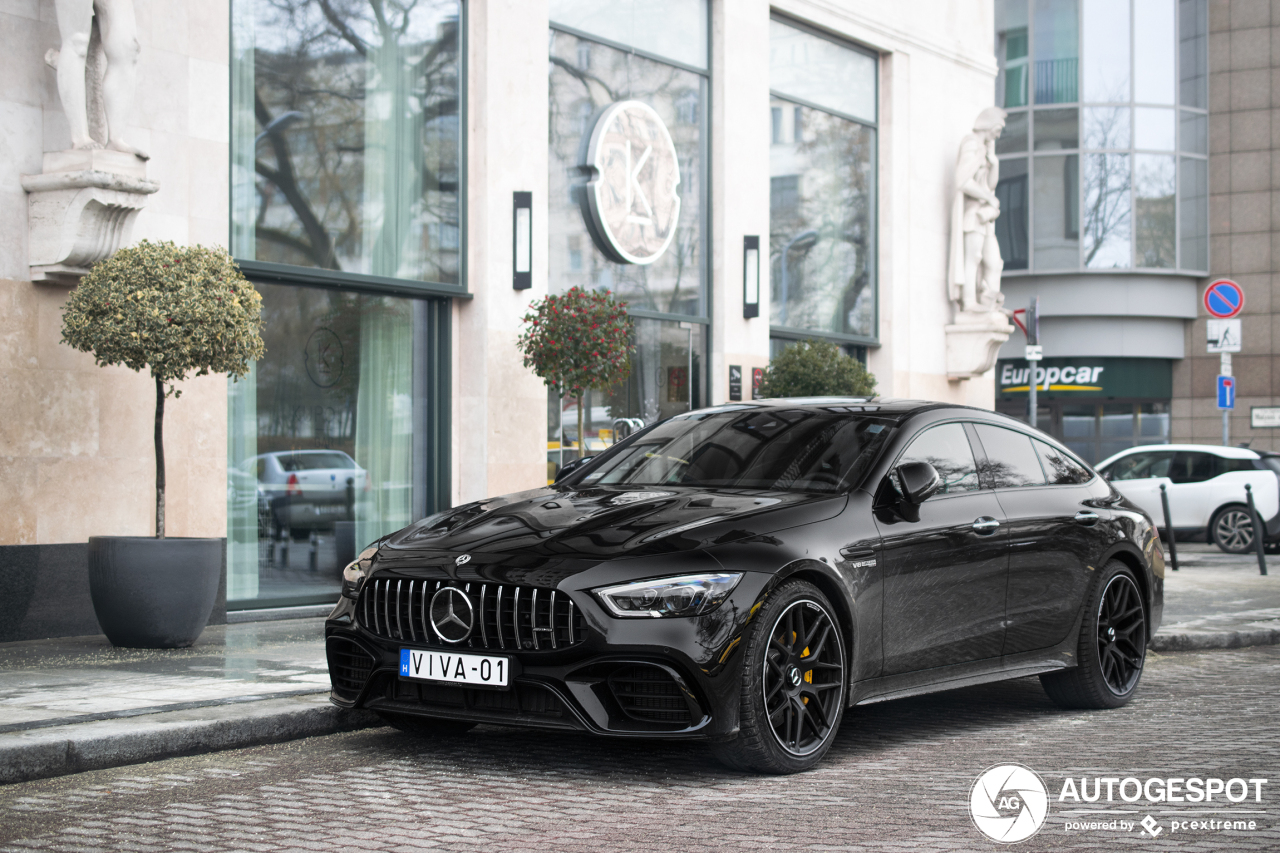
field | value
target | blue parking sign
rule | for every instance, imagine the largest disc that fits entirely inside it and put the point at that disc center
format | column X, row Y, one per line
column 1226, row 392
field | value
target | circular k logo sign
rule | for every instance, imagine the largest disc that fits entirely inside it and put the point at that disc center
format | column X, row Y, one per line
column 1009, row 803
column 631, row 203
column 452, row 616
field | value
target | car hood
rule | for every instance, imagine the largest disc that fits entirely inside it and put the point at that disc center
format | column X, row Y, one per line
column 604, row 523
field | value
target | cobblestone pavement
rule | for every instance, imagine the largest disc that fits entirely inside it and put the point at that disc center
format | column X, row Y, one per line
column 898, row 778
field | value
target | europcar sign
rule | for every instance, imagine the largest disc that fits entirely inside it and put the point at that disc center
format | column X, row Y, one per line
column 1085, row 377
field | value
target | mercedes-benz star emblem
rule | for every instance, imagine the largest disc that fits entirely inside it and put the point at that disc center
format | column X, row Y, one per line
column 452, row 616
column 465, row 558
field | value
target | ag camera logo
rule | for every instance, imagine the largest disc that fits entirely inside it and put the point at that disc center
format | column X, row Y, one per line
column 1009, row 803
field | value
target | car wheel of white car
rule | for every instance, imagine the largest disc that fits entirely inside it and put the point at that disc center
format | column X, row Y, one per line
column 1232, row 530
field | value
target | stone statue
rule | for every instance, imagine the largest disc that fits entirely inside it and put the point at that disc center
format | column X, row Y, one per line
column 102, row 104
column 975, row 268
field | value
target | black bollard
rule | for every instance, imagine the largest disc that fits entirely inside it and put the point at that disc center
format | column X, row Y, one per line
column 1168, row 526
column 1259, row 531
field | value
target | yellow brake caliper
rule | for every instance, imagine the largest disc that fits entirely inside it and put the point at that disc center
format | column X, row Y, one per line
column 808, row 674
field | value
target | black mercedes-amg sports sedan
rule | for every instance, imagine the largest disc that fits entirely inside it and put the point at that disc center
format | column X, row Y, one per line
column 743, row 574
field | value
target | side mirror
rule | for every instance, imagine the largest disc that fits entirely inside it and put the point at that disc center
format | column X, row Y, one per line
column 569, row 467
column 917, row 481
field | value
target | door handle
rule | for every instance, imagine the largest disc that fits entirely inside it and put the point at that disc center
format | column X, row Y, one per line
column 986, row 525
column 1086, row 517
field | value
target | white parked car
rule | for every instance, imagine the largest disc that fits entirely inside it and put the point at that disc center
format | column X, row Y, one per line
column 1205, row 485
column 308, row 489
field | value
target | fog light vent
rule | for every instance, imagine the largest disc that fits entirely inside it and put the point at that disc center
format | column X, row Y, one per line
column 649, row 694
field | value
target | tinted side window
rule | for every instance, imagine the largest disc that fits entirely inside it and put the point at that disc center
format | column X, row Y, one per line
column 1011, row 460
column 947, row 449
column 1059, row 468
column 1226, row 465
column 1140, row 466
column 1193, row 467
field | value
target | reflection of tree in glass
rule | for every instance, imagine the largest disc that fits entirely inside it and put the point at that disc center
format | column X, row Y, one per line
column 1154, row 210
column 828, row 277
column 957, row 475
column 1061, row 471
column 1002, row 475
column 357, row 153
column 1106, row 191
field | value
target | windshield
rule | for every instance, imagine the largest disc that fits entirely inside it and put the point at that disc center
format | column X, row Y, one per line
column 776, row 449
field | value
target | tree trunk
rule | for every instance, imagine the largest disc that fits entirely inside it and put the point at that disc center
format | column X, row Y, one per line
column 159, row 459
column 582, row 436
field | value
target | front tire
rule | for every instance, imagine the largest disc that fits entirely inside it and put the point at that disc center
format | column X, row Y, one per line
column 411, row 724
column 1112, row 648
column 1231, row 529
column 793, row 684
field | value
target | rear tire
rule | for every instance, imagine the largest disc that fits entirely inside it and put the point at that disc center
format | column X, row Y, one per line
column 1112, row 648
column 411, row 724
column 1231, row 529
column 793, row 684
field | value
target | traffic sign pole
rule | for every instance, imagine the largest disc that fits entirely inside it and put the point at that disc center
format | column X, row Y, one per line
column 1224, row 299
column 1034, row 353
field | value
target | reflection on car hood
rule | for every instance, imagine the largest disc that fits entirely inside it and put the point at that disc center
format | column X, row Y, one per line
column 610, row 522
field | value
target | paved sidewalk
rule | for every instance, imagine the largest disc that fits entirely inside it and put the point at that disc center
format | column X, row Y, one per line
column 76, row 704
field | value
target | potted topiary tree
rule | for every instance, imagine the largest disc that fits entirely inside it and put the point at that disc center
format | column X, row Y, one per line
column 578, row 340
column 816, row 368
column 174, row 310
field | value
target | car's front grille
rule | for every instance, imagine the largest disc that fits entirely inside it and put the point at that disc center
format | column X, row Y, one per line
column 349, row 667
column 505, row 616
column 649, row 694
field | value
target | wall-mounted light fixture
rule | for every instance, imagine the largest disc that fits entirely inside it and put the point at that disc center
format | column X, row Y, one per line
column 750, row 276
column 522, row 241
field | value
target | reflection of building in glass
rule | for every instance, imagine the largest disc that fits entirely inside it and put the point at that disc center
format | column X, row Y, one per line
column 1104, row 203
column 822, row 188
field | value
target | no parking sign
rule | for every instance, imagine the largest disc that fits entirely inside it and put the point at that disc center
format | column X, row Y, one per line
column 1223, row 299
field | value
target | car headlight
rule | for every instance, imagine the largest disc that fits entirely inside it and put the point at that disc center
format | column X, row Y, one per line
column 687, row 595
column 354, row 574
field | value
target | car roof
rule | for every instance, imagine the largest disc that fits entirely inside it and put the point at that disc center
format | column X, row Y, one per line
column 879, row 405
column 1215, row 449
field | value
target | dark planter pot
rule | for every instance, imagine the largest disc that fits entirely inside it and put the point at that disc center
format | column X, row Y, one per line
column 153, row 593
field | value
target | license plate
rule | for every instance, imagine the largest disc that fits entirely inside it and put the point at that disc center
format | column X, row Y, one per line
column 454, row 668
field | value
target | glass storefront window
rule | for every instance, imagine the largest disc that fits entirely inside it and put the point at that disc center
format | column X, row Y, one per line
column 1011, row 226
column 675, row 283
column 675, row 29
column 1154, row 44
column 1107, row 211
column 822, row 189
column 666, row 379
column 1153, row 200
column 1057, row 51
column 345, row 136
column 1057, row 212
column 1012, row 84
column 1014, row 138
column 1106, row 51
column 324, row 451
column 1057, row 130
column 1142, row 79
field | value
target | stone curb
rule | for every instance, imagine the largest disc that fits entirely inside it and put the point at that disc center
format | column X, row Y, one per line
column 1195, row 641
column 43, row 753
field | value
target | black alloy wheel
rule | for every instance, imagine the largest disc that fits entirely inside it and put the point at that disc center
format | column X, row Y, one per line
column 1121, row 634
column 793, row 684
column 1232, row 530
column 1112, row 648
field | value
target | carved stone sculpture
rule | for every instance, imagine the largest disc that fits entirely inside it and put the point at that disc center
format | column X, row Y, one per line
column 81, row 208
column 101, row 100
column 975, row 266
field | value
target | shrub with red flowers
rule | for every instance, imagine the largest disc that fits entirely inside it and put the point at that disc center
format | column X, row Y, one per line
column 576, row 341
